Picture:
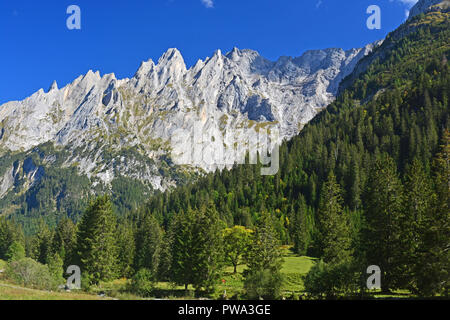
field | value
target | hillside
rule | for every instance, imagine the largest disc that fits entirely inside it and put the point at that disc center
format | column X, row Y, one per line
column 125, row 136
column 364, row 186
column 399, row 106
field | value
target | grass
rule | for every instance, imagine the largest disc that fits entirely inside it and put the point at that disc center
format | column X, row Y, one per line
column 294, row 269
column 9, row 292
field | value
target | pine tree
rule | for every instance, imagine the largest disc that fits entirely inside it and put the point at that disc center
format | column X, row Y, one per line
column 55, row 267
column 126, row 247
column 96, row 243
column 264, row 260
column 41, row 243
column 208, row 250
column 65, row 241
column 148, row 244
column 10, row 232
column 334, row 226
column 300, row 233
column 417, row 204
column 383, row 213
column 15, row 252
column 196, row 248
column 434, row 262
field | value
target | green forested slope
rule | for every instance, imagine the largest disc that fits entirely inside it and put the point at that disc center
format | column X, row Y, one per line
column 399, row 106
column 365, row 183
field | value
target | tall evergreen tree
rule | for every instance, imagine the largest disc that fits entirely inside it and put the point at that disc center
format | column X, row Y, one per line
column 433, row 276
column 126, row 247
column 196, row 248
column 148, row 244
column 96, row 243
column 334, row 224
column 65, row 241
column 41, row 243
column 208, row 252
column 10, row 232
column 300, row 232
column 264, row 260
column 417, row 205
column 383, row 213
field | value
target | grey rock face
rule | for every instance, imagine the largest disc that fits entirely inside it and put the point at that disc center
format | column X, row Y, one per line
column 424, row 5
column 95, row 116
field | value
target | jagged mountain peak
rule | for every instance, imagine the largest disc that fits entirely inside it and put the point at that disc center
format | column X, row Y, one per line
column 54, row 86
column 96, row 114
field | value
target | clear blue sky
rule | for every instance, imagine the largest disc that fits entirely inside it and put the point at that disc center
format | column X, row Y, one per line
column 37, row 48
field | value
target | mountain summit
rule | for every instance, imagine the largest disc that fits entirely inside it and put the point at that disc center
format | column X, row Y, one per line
column 96, row 117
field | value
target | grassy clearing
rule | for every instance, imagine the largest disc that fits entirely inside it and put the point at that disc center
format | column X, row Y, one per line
column 294, row 270
column 9, row 292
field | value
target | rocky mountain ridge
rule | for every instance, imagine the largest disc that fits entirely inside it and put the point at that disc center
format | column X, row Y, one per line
column 96, row 117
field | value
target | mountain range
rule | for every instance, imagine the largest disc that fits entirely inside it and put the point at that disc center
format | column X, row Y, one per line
column 109, row 133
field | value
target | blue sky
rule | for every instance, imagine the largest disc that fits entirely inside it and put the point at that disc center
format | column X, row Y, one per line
column 115, row 36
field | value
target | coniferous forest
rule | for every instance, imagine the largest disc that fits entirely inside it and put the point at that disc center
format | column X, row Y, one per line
column 366, row 183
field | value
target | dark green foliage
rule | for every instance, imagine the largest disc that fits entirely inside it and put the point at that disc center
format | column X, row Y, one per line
column 10, row 232
column 432, row 274
column 263, row 284
column 196, row 249
column 128, row 194
column 96, row 243
column 65, row 241
column 148, row 244
column 143, row 283
column 15, row 252
column 263, row 276
column 41, row 244
column 126, row 248
column 382, row 235
column 334, row 227
column 300, row 228
column 331, row 281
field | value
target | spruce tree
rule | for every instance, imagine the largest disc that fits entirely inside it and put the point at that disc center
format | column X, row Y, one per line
column 10, row 232
column 65, row 240
column 41, row 243
column 300, row 233
column 383, row 213
column 334, row 224
column 126, row 247
column 148, row 244
column 96, row 243
column 417, row 205
column 434, row 262
column 264, row 260
column 208, row 249
column 182, row 248
column 197, row 251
